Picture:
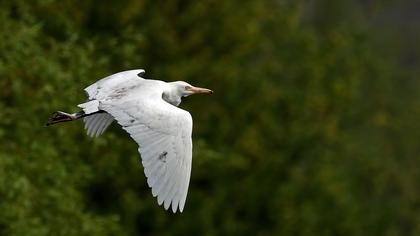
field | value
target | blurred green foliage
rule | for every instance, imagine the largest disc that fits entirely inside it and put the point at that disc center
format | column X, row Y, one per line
column 313, row 129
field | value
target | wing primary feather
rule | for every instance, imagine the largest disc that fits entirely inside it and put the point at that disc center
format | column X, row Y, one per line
column 92, row 125
column 87, row 121
column 175, row 189
column 157, row 185
column 105, row 124
column 178, row 190
column 168, row 185
column 184, row 189
column 161, row 185
column 98, row 124
column 101, row 125
column 173, row 197
column 158, row 172
column 88, row 124
column 173, row 177
column 155, row 173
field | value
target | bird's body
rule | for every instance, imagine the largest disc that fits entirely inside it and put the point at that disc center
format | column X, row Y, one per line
column 147, row 110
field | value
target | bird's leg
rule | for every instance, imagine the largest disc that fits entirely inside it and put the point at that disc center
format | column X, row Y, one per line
column 60, row 116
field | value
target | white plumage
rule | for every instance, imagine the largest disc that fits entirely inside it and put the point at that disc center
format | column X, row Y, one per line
column 96, row 124
column 147, row 110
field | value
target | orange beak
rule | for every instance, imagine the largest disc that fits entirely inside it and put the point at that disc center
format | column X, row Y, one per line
column 200, row 90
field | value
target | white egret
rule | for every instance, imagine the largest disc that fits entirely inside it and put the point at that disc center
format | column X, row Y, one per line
column 147, row 110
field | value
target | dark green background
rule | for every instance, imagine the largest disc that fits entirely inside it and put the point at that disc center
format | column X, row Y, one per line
column 313, row 128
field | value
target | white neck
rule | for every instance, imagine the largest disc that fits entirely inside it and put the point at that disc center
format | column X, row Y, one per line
column 172, row 95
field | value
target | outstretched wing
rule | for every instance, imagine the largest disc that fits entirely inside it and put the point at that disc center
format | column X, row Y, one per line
column 163, row 133
column 114, row 83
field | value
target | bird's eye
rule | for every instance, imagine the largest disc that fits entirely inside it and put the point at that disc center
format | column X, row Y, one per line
column 187, row 87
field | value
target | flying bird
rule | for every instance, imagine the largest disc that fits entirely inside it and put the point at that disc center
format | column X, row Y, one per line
column 148, row 110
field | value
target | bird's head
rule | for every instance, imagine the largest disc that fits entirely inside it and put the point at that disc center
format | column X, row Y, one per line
column 185, row 89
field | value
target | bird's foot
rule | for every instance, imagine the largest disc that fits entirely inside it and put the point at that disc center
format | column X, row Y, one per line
column 60, row 116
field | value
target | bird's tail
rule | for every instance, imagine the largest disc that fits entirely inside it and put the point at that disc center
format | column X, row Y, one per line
column 59, row 116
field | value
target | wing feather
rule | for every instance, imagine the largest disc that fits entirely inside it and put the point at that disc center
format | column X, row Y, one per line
column 94, row 125
column 97, row 123
column 168, row 181
column 162, row 131
column 170, row 196
column 105, row 124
